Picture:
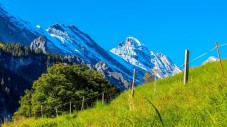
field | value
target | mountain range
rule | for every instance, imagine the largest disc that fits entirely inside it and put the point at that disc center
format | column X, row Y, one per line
column 78, row 47
column 69, row 41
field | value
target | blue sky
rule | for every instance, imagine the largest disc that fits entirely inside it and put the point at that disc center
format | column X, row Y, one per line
column 167, row 26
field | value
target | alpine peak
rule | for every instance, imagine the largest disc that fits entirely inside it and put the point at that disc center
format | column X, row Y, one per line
column 133, row 41
column 138, row 55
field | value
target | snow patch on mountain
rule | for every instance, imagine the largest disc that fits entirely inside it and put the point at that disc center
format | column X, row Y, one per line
column 38, row 26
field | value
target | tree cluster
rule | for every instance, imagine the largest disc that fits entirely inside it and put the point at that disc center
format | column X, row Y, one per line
column 62, row 84
column 15, row 77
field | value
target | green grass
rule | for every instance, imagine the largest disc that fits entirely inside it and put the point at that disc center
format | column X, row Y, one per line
column 202, row 102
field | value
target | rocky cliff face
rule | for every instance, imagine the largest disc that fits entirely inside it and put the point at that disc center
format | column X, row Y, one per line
column 39, row 43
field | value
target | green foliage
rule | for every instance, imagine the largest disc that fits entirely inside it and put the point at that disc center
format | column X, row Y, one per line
column 26, row 106
column 63, row 83
column 202, row 102
column 17, row 49
column 19, row 67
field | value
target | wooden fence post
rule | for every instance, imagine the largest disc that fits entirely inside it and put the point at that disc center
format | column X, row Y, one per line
column 103, row 97
column 82, row 107
column 186, row 66
column 42, row 111
column 70, row 107
column 56, row 110
column 155, row 75
column 219, row 56
column 133, row 81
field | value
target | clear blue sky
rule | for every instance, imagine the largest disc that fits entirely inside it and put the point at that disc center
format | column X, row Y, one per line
column 168, row 26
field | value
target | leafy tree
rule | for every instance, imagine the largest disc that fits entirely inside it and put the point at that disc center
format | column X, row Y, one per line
column 26, row 106
column 13, row 82
column 64, row 83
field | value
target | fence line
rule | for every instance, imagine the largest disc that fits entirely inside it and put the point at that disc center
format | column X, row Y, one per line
column 91, row 97
column 203, row 54
column 75, row 102
column 87, row 98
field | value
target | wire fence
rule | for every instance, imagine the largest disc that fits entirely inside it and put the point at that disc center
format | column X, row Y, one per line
column 80, row 103
column 77, row 104
column 203, row 54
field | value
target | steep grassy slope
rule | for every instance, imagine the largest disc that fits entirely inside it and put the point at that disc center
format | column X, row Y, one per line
column 202, row 102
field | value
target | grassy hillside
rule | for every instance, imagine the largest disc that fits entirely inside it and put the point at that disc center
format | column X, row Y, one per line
column 202, row 102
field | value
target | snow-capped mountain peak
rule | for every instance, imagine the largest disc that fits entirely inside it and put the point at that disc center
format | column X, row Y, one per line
column 131, row 41
column 68, row 40
column 137, row 54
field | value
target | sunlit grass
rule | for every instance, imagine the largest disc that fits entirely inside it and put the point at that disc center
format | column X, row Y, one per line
column 202, row 102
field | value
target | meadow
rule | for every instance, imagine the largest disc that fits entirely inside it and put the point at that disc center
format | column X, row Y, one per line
column 201, row 102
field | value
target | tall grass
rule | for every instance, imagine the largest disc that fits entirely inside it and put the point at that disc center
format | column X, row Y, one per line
column 202, row 102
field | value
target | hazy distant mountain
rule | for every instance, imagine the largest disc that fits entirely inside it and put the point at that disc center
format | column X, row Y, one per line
column 210, row 59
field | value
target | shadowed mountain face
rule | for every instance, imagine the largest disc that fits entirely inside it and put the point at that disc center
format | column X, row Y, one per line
column 13, row 29
column 67, row 41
